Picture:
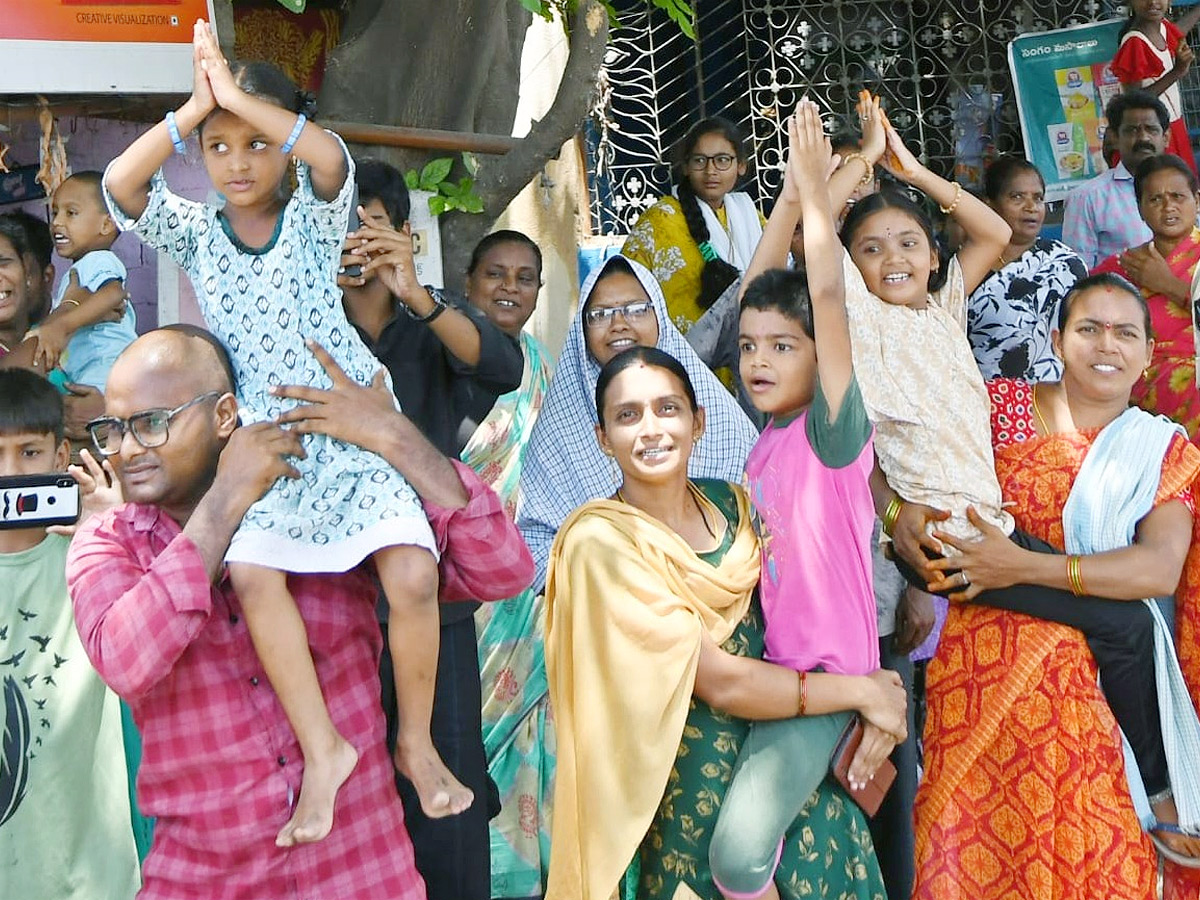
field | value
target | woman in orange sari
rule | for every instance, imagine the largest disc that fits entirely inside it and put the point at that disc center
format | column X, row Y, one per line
column 1165, row 270
column 1025, row 793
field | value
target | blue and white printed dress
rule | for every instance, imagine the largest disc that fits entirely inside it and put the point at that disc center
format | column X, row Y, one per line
column 263, row 304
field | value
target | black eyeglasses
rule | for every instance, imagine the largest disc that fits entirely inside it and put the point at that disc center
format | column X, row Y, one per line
column 149, row 428
column 698, row 162
column 630, row 312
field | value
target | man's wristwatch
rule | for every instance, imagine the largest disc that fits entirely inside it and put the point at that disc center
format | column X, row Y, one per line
column 439, row 306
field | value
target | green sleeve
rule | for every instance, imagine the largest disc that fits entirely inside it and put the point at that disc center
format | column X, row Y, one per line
column 840, row 442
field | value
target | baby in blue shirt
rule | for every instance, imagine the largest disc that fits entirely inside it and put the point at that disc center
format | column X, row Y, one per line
column 90, row 322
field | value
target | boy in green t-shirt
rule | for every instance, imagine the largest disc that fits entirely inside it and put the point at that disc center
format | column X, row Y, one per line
column 64, row 795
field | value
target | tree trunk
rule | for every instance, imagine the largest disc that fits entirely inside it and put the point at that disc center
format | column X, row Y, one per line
column 501, row 178
column 455, row 64
column 451, row 64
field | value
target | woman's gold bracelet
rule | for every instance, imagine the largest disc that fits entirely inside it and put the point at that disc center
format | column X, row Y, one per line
column 803, row 693
column 891, row 514
column 949, row 210
column 1075, row 576
column 869, row 175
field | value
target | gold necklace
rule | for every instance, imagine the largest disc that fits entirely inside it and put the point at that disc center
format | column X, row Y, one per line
column 1038, row 412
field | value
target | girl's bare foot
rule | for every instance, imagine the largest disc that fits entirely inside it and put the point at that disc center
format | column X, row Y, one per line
column 324, row 774
column 441, row 794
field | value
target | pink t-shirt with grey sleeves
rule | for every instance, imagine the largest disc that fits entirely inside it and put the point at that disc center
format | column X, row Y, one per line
column 808, row 479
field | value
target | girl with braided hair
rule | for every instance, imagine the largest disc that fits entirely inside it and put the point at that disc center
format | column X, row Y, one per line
column 699, row 241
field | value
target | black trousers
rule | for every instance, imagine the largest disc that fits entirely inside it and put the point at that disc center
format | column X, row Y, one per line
column 892, row 827
column 453, row 854
column 1120, row 634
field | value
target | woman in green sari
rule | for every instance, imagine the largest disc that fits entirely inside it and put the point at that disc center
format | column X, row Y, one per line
column 652, row 639
column 503, row 279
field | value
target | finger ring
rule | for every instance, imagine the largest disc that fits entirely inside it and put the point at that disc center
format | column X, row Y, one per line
column 966, row 578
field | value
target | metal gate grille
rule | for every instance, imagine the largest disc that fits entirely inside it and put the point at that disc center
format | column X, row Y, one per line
column 940, row 65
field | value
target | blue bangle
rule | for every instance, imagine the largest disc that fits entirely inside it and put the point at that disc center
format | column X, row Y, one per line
column 173, row 130
column 295, row 135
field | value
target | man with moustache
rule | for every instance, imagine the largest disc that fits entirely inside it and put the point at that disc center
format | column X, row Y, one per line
column 158, row 617
column 1101, row 216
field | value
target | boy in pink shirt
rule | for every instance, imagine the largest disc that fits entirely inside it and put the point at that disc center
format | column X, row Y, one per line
column 808, row 478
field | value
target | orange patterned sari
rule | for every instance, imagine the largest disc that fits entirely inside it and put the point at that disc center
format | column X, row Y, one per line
column 1024, row 793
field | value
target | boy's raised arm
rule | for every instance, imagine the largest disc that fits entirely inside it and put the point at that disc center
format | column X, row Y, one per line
column 808, row 164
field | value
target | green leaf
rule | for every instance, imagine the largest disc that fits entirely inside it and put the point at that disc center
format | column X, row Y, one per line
column 412, row 180
column 435, row 172
column 437, row 205
column 296, row 6
column 449, row 189
column 680, row 12
column 539, row 8
column 472, row 203
column 470, row 163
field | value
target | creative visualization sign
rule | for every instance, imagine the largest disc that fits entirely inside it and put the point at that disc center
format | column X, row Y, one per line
column 105, row 46
column 1063, row 81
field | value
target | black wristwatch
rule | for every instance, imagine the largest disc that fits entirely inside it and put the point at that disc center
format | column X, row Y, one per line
column 439, row 306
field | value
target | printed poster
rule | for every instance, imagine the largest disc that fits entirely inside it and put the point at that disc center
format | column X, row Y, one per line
column 98, row 46
column 1063, row 81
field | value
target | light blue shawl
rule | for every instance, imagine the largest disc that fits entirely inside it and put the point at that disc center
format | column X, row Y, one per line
column 564, row 467
column 1114, row 490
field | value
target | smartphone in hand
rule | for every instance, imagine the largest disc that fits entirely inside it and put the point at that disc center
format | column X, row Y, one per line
column 36, row 501
column 355, row 270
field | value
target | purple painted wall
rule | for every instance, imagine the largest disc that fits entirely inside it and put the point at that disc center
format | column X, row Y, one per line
column 91, row 144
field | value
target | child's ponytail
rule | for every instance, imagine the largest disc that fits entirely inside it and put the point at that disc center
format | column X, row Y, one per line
column 306, row 104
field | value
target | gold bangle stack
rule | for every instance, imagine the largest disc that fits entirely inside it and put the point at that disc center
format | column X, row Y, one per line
column 1075, row 576
column 803, row 693
column 869, row 176
column 949, row 210
column 891, row 514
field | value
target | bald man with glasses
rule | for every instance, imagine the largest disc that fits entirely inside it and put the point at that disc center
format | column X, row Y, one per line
column 221, row 767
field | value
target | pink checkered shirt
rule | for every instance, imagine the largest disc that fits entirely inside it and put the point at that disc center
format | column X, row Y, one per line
column 220, row 765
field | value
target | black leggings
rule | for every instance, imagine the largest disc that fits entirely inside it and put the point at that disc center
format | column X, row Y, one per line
column 1120, row 634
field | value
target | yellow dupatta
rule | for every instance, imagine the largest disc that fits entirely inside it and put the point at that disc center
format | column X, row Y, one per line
column 626, row 600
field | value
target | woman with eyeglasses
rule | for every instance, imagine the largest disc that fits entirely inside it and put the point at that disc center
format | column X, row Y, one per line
column 622, row 306
column 699, row 241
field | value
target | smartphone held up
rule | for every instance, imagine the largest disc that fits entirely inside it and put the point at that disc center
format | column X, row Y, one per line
column 38, row 501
